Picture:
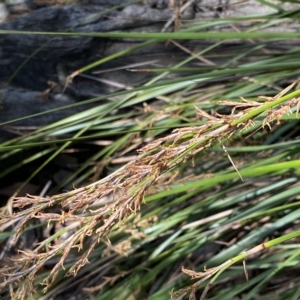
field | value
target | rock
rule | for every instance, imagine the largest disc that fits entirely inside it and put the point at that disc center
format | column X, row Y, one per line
column 40, row 59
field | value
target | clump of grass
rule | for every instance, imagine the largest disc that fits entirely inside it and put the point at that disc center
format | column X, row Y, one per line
column 127, row 188
column 213, row 178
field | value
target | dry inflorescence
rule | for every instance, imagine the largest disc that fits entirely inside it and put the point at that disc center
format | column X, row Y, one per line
column 127, row 187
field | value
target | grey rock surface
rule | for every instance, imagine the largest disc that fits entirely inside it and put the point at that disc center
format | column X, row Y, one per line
column 60, row 56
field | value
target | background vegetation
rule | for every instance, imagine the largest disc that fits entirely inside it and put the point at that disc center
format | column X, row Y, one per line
column 191, row 176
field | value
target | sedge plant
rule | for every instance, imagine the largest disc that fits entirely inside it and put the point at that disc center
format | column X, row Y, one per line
column 214, row 181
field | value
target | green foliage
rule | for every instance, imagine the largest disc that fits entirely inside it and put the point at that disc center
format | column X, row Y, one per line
column 215, row 181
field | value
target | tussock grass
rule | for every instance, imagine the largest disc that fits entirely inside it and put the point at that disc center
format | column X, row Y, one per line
column 206, row 185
